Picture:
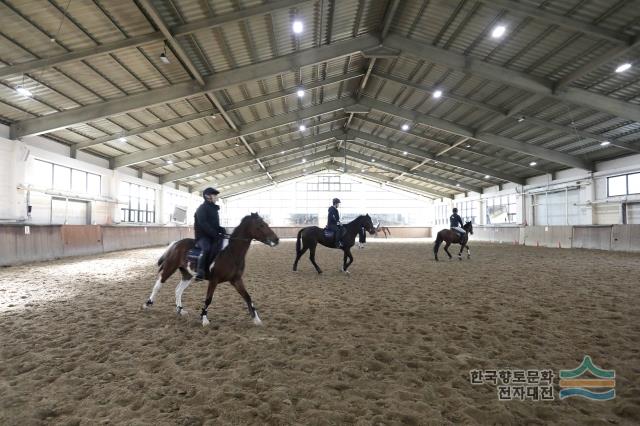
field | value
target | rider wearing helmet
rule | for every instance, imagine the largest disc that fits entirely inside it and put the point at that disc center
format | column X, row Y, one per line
column 207, row 229
column 456, row 224
column 333, row 222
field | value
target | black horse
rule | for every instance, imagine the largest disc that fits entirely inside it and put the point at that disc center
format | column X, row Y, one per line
column 450, row 236
column 309, row 237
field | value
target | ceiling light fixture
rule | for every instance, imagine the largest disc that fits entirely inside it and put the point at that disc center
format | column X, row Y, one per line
column 533, row 163
column 302, row 127
column 122, row 140
column 457, row 184
column 404, row 153
column 605, row 143
column 297, row 27
column 24, row 91
column 163, row 56
column 487, row 176
column 437, row 94
column 373, row 160
column 304, row 160
column 623, row 67
column 169, row 161
column 498, row 31
column 300, row 93
column 521, row 119
column 405, row 127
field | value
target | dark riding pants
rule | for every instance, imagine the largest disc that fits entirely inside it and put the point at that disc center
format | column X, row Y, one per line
column 208, row 249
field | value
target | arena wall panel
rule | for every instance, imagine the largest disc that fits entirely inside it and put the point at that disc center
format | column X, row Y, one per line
column 592, row 237
column 547, row 236
column 625, row 238
column 497, row 234
column 80, row 240
column 42, row 243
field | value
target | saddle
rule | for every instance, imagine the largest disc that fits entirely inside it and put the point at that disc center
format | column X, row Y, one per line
column 328, row 233
column 192, row 255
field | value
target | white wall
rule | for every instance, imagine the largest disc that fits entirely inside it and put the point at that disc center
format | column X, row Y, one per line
column 569, row 197
column 281, row 204
column 19, row 170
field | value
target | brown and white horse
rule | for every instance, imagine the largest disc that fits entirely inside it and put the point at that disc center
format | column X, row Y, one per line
column 228, row 265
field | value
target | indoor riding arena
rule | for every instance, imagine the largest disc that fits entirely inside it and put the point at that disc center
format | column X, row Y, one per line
column 322, row 212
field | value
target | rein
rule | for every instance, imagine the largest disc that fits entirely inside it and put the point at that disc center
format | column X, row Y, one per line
column 229, row 237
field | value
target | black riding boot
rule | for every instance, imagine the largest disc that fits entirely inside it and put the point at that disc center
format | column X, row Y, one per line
column 201, row 268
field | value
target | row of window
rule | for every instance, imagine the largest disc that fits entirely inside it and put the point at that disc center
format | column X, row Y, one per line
column 623, row 185
column 328, row 184
column 53, row 176
column 498, row 210
column 140, row 203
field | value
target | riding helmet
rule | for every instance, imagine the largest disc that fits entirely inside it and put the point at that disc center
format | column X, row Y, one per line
column 455, row 210
column 336, row 201
column 210, row 191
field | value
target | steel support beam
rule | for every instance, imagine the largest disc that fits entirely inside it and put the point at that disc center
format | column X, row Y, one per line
column 513, row 78
column 176, row 31
column 210, row 112
column 521, row 9
column 501, row 141
column 277, row 179
column 219, row 81
column 406, row 186
column 241, row 159
column 275, row 168
column 433, row 179
column 595, row 64
column 255, row 127
column 442, row 159
column 232, row 150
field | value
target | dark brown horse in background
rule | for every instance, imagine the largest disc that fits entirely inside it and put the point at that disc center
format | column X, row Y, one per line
column 309, row 237
column 228, row 265
column 452, row 237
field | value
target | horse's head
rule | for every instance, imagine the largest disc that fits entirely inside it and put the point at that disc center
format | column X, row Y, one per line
column 257, row 229
column 468, row 227
column 368, row 224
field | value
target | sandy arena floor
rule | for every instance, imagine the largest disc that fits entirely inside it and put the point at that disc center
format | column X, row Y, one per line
column 391, row 344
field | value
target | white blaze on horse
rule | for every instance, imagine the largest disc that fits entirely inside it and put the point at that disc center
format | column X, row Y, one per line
column 229, row 265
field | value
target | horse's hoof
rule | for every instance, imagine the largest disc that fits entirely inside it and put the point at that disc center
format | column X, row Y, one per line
column 205, row 321
column 146, row 305
column 257, row 320
column 181, row 311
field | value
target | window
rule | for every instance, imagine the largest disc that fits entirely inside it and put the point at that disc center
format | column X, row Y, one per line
column 43, row 174
column 61, row 177
column 48, row 175
column 633, row 183
column 328, row 184
column 617, row 185
column 468, row 211
column 139, row 201
column 500, row 210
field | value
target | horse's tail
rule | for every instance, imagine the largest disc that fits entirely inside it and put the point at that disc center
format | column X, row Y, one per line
column 436, row 246
column 165, row 254
column 299, row 242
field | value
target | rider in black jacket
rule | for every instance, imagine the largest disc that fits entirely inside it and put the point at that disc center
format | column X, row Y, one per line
column 456, row 223
column 333, row 221
column 207, row 229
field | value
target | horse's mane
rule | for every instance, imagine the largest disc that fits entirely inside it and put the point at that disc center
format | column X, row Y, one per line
column 243, row 223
